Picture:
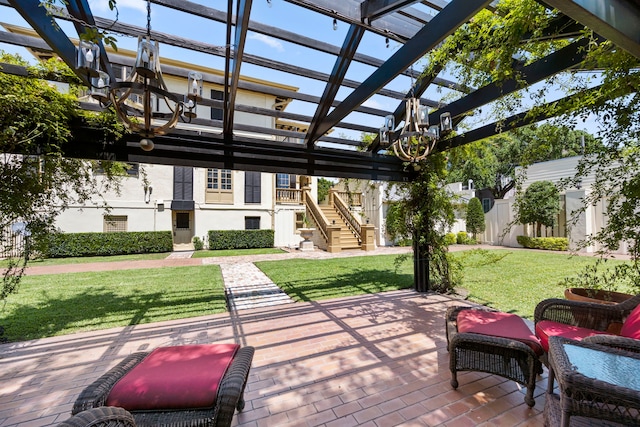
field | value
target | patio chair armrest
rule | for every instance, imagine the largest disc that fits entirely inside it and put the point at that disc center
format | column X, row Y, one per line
column 231, row 388
column 96, row 393
column 577, row 313
column 614, row 341
column 490, row 344
column 101, row 416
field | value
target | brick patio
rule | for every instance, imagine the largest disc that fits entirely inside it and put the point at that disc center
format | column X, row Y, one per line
column 373, row 360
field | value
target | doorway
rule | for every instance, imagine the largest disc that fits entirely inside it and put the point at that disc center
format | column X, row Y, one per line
column 183, row 229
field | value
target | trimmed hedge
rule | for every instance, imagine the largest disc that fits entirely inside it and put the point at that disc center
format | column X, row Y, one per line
column 65, row 245
column 240, row 239
column 546, row 243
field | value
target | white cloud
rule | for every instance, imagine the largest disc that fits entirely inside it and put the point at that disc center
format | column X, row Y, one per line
column 269, row 41
column 102, row 6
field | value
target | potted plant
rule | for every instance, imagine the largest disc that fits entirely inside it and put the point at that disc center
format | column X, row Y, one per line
column 602, row 285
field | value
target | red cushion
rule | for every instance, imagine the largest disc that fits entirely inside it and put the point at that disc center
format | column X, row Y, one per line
column 631, row 326
column 549, row 328
column 174, row 378
column 497, row 324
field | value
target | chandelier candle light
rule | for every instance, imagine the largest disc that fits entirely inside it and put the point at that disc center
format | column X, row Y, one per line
column 417, row 138
column 143, row 95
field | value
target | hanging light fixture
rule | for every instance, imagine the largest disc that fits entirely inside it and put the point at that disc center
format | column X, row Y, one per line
column 143, row 97
column 140, row 99
column 417, row 139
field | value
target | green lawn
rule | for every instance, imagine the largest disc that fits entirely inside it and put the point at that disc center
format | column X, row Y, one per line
column 236, row 252
column 309, row 280
column 59, row 304
column 521, row 279
column 87, row 259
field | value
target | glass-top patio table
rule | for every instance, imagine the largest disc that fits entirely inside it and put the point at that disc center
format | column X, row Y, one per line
column 594, row 381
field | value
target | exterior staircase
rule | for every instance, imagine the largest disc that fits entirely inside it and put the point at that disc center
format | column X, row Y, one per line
column 348, row 239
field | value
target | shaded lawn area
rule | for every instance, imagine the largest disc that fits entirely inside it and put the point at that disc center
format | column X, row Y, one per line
column 309, row 280
column 60, row 304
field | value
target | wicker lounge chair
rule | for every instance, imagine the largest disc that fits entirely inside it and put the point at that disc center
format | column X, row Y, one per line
column 104, row 416
column 514, row 358
column 579, row 320
column 229, row 396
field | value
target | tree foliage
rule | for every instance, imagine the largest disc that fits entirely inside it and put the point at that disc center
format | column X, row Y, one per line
column 539, row 205
column 491, row 163
column 475, row 217
column 323, row 188
column 38, row 183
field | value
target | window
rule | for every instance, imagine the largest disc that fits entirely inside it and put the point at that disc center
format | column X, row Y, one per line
column 252, row 223
column 282, row 180
column 252, row 187
column 486, row 205
column 182, row 220
column 216, row 113
column 114, row 223
column 219, row 186
column 219, row 179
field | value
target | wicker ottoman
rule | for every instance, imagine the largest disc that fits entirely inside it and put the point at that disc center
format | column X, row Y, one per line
column 223, row 399
column 504, row 345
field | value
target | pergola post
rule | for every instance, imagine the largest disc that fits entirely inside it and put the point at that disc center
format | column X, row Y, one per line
column 420, row 267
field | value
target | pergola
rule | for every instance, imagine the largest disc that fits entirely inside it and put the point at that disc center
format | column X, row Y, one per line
column 415, row 27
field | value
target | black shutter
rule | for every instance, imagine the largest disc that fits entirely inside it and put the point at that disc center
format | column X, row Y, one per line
column 252, row 188
column 182, row 188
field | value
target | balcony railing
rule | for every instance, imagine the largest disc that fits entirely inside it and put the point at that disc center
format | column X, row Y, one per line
column 289, row 196
column 351, row 198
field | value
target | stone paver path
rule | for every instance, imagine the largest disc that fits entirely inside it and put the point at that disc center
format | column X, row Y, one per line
column 246, row 286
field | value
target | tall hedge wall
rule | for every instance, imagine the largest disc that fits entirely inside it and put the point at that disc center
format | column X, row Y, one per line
column 240, row 239
column 103, row 244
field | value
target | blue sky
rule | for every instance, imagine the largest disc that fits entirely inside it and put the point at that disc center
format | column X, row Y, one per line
column 279, row 14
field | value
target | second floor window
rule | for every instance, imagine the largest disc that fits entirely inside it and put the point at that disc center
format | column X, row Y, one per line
column 283, row 180
column 219, row 179
column 216, row 113
column 219, row 186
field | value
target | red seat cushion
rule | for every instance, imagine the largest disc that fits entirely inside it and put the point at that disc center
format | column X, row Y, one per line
column 631, row 326
column 497, row 324
column 549, row 328
column 176, row 377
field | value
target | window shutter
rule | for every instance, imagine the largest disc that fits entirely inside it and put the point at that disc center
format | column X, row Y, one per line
column 252, row 188
column 182, row 188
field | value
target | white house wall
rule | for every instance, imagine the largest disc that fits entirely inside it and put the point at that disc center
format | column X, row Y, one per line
column 151, row 212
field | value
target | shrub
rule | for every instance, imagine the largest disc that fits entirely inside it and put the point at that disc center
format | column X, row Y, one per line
column 546, row 243
column 240, row 239
column 475, row 217
column 450, row 239
column 462, row 238
column 198, row 244
column 64, row 245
